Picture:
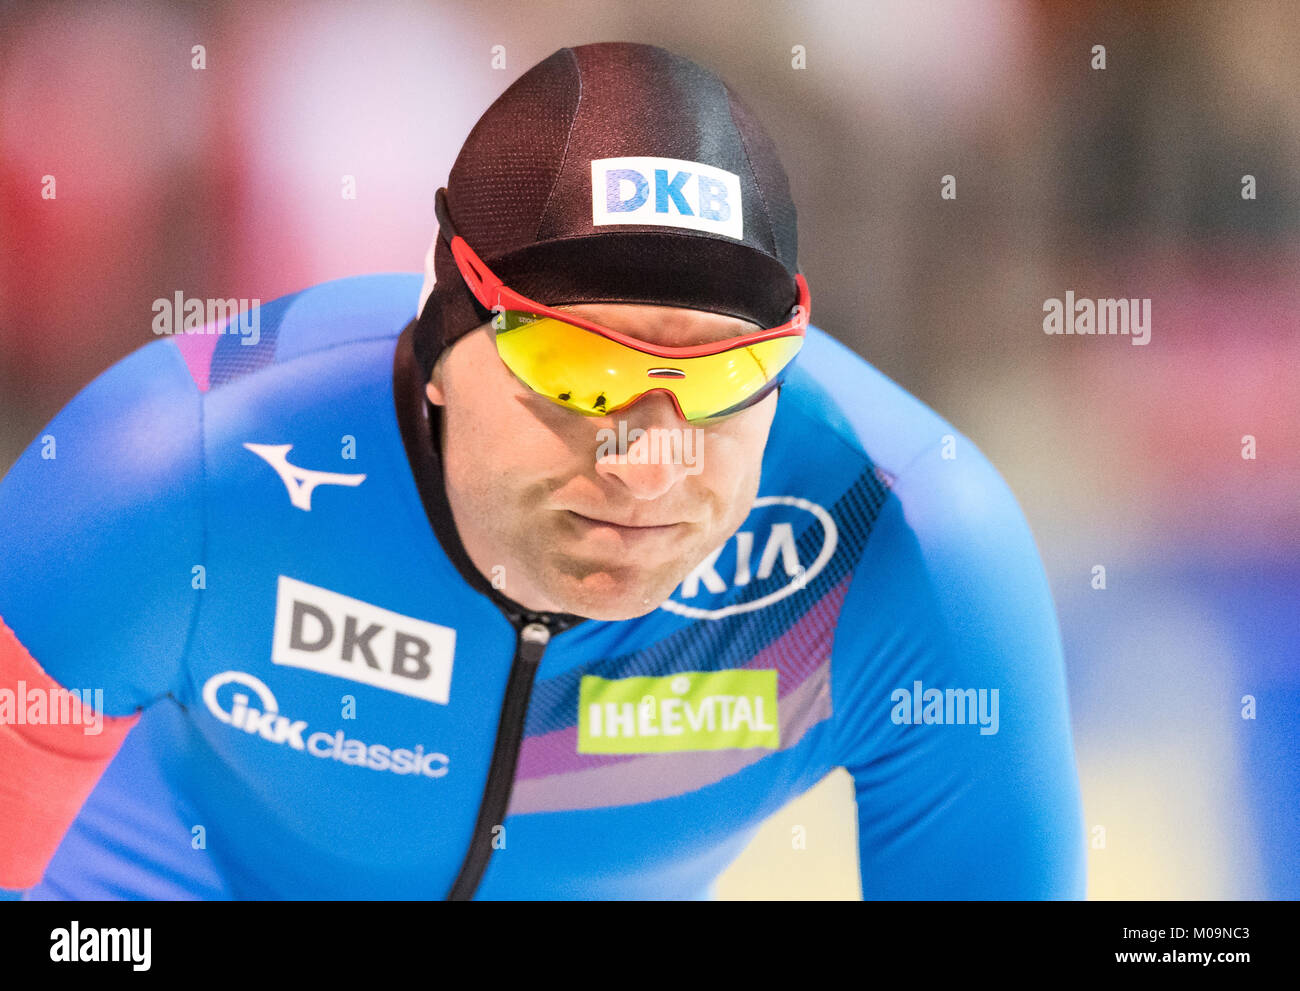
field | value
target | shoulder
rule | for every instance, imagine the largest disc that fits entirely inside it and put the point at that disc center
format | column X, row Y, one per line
column 103, row 519
column 126, row 435
column 946, row 560
column 942, row 487
column 310, row 323
column 835, row 393
column 100, row 520
column 908, row 483
column 340, row 312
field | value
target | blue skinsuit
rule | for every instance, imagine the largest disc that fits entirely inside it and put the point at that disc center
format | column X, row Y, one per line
column 160, row 558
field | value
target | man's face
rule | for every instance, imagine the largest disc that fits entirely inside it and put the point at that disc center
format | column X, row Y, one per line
column 541, row 500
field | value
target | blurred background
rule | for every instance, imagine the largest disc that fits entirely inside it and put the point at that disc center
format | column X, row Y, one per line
column 1117, row 182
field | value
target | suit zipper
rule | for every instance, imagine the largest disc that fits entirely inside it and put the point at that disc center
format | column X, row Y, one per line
column 529, row 647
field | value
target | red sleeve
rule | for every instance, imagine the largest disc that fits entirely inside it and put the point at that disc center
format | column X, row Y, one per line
column 53, row 749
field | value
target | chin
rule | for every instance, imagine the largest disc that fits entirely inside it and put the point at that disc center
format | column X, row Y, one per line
column 612, row 596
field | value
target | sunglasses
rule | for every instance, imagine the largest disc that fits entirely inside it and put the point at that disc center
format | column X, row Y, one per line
column 595, row 370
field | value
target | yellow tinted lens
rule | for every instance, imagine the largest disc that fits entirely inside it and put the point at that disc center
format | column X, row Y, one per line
column 595, row 375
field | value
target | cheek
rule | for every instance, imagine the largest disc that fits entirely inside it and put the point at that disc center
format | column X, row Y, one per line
column 732, row 452
column 478, row 435
column 501, row 438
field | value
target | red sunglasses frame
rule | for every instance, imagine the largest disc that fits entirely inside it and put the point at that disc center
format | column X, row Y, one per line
column 495, row 295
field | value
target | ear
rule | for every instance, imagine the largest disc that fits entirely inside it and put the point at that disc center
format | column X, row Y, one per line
column 434, row 390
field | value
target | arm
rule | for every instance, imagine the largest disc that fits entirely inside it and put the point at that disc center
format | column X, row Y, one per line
column 951, row 593
column 100, row 525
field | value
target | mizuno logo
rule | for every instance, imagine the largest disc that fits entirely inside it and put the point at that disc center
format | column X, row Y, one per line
column 300, row 482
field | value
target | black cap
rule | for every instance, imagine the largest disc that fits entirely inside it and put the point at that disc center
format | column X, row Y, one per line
column 533, row 192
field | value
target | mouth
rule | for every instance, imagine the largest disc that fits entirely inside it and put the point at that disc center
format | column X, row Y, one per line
column 633, row 529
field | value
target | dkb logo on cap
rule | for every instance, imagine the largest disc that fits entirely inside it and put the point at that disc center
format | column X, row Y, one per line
column 666, row 192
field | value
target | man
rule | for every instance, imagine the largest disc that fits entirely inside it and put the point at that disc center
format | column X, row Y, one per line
column 555, row 590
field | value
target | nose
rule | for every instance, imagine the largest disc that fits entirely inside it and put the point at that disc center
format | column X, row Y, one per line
column 643, row 447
